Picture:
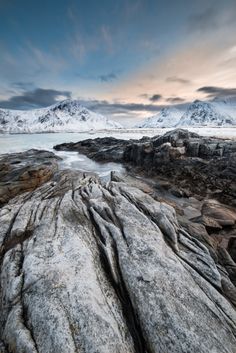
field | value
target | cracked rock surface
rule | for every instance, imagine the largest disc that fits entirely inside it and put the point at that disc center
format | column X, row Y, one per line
column 94, row 268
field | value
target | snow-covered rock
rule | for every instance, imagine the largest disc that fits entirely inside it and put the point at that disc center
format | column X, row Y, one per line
column 198, row 114
column 201, row 113
column 66, row 116
column 167, row 117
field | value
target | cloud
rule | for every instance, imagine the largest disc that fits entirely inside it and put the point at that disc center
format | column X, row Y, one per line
column 213, row 17
column 213, row 91
column 36, row 98
column 107, row 38
column 132, row 8
column 144, row 95
column 206, row 19
column 107, row 107
column 155, row 97
column 108, row 77
column 178, row 79
column 152, row 98
column 175, row 100
column 23, row 85
column 77, row 46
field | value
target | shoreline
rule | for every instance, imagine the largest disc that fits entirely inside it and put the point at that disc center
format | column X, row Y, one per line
column 223, row 132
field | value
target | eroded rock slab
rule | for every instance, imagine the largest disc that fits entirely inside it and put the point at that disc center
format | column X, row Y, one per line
column 92, row 268
column 21, row 172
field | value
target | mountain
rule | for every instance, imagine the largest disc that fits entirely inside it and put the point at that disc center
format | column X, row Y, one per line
column 215, row 113
column 66, row 116
column 168, row 117
column 199, row 113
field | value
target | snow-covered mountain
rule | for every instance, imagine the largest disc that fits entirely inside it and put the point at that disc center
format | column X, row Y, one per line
column 198, row 114
column 66, row 116
column 209, row 114
column 167, row 117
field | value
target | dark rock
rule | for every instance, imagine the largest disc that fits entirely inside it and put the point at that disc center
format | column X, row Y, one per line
column 100, row 149
column 197, row 165
column 232, row 247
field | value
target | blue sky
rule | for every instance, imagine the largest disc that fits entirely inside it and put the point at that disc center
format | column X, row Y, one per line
column 124, row 58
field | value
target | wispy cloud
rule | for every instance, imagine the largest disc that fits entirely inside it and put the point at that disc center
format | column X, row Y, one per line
column 151, row 97
column 213, row 17
column 41, row 59
column 108, row 77
column 204, row 19
column 175, row 100
column 132, row 7
column 107, row 38
column 23, row 86
column 178, row 79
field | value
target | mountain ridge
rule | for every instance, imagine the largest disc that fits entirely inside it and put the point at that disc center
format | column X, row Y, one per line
column 197, row 114
column 65, row 116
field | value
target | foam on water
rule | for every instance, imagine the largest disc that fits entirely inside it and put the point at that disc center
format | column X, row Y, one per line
column 71, row 160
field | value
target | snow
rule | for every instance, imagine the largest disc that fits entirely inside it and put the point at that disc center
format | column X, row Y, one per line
column 66, row 116
column 208, row 114
column 217, row 113
column 168, row 117
column 70, row 116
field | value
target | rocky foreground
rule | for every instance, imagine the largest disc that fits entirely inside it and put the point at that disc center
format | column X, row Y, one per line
column 92, row 267
column 194, row 164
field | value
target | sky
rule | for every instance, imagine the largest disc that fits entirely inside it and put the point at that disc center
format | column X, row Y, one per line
column 126, row 59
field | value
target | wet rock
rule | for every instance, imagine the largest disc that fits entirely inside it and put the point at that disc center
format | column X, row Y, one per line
column 100, row 149
column 87, row 267
column 196, row 165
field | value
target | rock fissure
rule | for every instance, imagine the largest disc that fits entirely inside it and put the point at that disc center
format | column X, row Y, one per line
column 121, row 291
column 70, row 283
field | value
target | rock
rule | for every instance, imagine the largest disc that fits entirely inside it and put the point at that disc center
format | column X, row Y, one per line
column 232, row 248
column 176, row 192
column 198, row 166
column 87, row 267
column 224, row 215
column 100, row 149
column 21, row 172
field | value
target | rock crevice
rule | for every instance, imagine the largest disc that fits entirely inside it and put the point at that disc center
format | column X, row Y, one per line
column 91, row 267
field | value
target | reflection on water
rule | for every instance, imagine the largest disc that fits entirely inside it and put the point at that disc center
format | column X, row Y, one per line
column 74, row 160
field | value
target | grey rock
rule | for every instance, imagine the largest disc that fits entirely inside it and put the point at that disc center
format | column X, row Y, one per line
column 87, row 267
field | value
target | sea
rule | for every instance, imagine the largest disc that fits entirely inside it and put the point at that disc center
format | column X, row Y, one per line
column 21, row 142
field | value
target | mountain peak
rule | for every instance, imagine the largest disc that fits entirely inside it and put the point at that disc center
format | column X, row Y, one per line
column 65, row 116
column 201, row 113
